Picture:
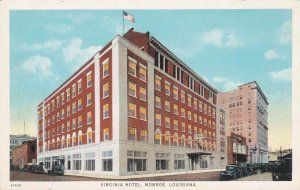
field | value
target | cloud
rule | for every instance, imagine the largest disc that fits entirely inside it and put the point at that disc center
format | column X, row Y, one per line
column 74, row 54
column 220, row 38
column 59, row 28
column 284, row 33
column 38, row 65
column 79, row 19
column 283, row 75
column 272, row 54
column 47, row 45
column 226, row 84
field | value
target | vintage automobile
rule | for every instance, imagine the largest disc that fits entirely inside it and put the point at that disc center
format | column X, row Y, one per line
column 232, row 172
column 37, row 169
column 56, row 170
column 283, row 171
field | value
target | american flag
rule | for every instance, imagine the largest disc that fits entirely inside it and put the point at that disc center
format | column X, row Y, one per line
column 128, row 16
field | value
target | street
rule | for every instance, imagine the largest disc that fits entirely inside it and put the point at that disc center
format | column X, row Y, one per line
column 208, row 176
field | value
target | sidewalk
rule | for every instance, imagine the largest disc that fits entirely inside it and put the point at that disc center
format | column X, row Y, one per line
column 112, row 177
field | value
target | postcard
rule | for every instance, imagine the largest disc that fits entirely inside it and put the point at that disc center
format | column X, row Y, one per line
column 147, row 94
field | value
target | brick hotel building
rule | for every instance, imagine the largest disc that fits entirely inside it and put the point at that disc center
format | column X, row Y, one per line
column 133, row 108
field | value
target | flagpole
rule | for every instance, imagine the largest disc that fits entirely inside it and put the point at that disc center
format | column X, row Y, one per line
column 123, row 21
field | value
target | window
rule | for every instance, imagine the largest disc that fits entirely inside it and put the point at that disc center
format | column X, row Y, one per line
column 195, row 118
column 162, row 161
column 79, row 84
column 106, row 111
column 76, row 161
column 74, row 140
column 68, row 110
column 200, row 119
column 132, row 89
column 74, row 123
column 62, row 128
column 143, row 94
column 73, row 90
column 107, row 161
column 53, row 119
column 200, row 106
column 79, row 121
column 89, row 99
column 80, row 139
column 157, row 119
column 132, row 110
column 179, row 161
column 195, row 103
column 182, row 113
column 209, row 111
column 89, row 79
column 189, row 115
column 175, row 109
column 189, row 129
column 213, row 113
column 68, row 94
column 167, row 88
column 175, row 140
column 68, row 126
column 79, row 104
column 143, row 135
column 167, row 139
column 62, row 113
column 52, row 104
column 106, row 134
column 167, row 122
column 205, row 109
column 105, row 68
column 89, row 161
column 182, row 97
column 157, row 138
column 183, row 127
column 143, row 73
column 57, row 101
column 136, row 161
column 175, row 93
column 74, row 107
column 157, row 83
column 105, row 90
column 143, row 113
column 157, row 102
column 89, row 135
column 132, row 134
column 167, row 106
column 89, row 117
column 132, row 67
column 175, row 124
column 189, row 100
column 58, row 116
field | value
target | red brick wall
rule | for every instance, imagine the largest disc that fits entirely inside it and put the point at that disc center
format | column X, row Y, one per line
column 138, row 39
column 136, row 122
column 24, row 151
column 106, row 123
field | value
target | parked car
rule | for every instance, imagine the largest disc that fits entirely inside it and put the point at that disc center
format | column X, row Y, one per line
column 232, row 172
column 283, row 171
column 56, row 170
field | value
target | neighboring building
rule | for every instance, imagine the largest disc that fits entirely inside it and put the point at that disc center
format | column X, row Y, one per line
column 275, row 156
column 236, row 149
column 133, row 108
column 24, row 154
column 246, row 108
column 16, row 140
column 221, row 136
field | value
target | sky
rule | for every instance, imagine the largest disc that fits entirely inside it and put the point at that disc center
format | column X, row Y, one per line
column 226, row 47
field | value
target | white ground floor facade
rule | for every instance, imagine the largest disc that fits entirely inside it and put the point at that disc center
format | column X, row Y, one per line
column 131, row 158
column 258, row 154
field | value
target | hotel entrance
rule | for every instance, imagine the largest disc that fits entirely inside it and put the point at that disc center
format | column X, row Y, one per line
column 198, row 160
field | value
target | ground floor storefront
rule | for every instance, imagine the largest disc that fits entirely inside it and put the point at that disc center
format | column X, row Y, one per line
column 128, row 158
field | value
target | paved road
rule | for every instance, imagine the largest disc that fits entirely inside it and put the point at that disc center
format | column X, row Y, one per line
column 27, row 176
column 267, row 176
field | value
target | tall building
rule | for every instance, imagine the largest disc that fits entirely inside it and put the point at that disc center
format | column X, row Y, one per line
column 133, row 108
column 247, row 113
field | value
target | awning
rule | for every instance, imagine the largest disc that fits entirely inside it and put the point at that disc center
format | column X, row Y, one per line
column 198, row 153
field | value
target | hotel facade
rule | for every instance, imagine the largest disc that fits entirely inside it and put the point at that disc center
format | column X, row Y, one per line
column 133, row 108
column 247, row 115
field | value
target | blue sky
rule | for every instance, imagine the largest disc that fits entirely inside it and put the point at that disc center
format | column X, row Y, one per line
column 226, row 47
